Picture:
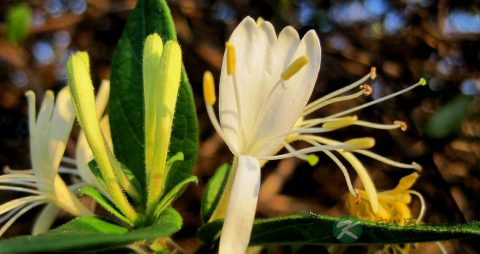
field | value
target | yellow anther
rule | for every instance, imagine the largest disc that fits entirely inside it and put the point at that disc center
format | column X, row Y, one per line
column 367, row 89
column 339, row 123
column 231, row 58
column 373, row 73
column 422, row 82
column 209, row 88
column 312, row 159
column 403, row 125
column 260, row 21
column 295, row 67
column 359, row 143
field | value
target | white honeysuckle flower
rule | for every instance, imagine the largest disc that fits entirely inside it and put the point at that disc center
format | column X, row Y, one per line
column 266, row 82
column 49, row 133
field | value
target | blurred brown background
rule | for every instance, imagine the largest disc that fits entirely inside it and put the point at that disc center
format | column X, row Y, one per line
column 405, row 40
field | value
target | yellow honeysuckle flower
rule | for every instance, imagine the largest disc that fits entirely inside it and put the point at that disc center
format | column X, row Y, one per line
column 265, row 84
column 49, row 134
column 393, row 208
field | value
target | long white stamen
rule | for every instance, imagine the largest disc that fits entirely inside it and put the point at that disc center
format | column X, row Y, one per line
column 339, row 91
column 19, row 202
column 377, row 125
column 19, row 189
column 14, row 218
column 25, row 177
column 312, row 159
column 18, row 182
column 419, row 83
column 71, row 171
column 8, row 215
column 339, row 164
column 359, row 168
column 304, row 151
column 218, row 128
column 389, row 161
column 69, row 160
column 18, row 171
column 422, row 205
column 317, row 106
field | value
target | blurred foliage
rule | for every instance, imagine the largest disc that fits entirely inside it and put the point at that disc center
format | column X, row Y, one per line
column 18, row 23
column 446, row 121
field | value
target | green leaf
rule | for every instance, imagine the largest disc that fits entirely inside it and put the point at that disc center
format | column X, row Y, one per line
column 313, row 229
column 173, row 194
column 126, row 97
column 90, row 233
column 104, row 202
column 446, row 121
column 18, row 23
column 214, row 191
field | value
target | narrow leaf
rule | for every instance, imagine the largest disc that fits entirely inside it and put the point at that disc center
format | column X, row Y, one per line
column 104, row 202
column 313, row 230
column 214, row 190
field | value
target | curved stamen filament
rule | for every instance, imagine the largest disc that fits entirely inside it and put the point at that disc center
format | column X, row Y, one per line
column 69, row 160
column 380, row 126
column 210, row 99
column 8, row 215
column 18, row 182
column 218, row 128
column 422, row 205
column 20, row 189
column 339, row 164
column 311, row 158
column 71, row 171
column 316, row 106
column 421, row 82
column 339, row 91
column 389, row 161
column 304, row 151
column 16, row 216
column 357, row 166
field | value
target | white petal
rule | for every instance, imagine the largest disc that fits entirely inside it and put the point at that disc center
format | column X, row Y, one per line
column 268, row 107
column 241, row 207
column 45, row 219
column 289, row 99
column 61, row 126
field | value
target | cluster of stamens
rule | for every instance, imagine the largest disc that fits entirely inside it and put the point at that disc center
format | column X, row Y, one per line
column 305, row 129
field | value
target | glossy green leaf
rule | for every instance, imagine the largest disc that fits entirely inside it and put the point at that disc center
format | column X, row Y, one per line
column 214, row 190
column 446, row 121
column 104, row 202
column 90, row 233
column 316, row 229
column 126, row 97
column 18, row 23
